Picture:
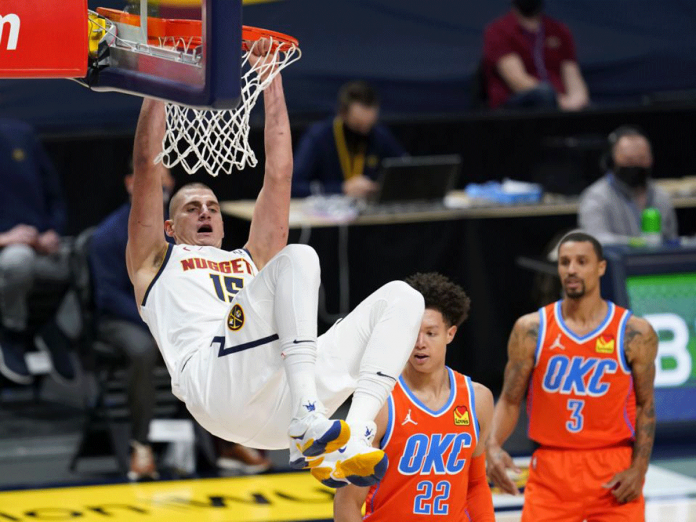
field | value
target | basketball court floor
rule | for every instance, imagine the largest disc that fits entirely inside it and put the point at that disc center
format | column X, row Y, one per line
column 671, row 497
column 25, row 494
column 38, row 439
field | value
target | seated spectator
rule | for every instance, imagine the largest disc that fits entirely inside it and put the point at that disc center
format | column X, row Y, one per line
column 32, row 251
column 529, row 61
column 343, row 154
column 610, row 209
column 119, row 324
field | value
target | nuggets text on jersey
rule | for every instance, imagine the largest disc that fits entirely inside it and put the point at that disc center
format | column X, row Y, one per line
column 235, row 266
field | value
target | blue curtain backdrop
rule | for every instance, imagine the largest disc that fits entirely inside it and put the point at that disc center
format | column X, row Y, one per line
column 421, row 55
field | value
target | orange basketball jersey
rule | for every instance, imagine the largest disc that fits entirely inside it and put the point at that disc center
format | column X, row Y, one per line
column 429, row 456
column 581, row 392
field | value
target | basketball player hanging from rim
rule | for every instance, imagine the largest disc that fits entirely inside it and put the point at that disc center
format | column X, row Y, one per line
column 238, row 330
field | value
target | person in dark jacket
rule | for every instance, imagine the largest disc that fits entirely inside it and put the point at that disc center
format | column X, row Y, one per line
column 342, row 155
column 32, row 251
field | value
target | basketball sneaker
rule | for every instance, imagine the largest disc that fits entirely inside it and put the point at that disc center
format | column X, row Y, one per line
column 313, row 435
column 240, row 459
column 356, row 463
column 142, row 464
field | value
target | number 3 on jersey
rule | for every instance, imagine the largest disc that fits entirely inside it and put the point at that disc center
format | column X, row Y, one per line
column 575, row 424
column 423, row 505
column 227, row 290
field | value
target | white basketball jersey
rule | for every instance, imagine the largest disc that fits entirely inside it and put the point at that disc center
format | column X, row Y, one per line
column 189, row 298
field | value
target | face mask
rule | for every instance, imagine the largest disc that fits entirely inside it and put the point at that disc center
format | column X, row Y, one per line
column 634, row 177
column 355, row 141
column 353, row 134
column 529, row 7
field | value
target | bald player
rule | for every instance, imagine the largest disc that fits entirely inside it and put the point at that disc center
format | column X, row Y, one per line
column 238, row 329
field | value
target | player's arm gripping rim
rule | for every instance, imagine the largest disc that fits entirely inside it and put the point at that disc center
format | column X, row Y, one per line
column 521, row 348
column 640, row 347
column 269, row 224
column 146, row 244
column 349, row 500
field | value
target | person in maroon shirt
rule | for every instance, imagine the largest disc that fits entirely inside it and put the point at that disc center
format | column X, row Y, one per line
column 529, row 61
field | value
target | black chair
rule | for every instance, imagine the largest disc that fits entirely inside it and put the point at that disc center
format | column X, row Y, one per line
column 106, row 430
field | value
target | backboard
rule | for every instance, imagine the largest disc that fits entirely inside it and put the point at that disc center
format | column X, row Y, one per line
column 155, row 52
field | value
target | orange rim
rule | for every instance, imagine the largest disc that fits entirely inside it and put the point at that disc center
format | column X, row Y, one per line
column 253, row 34
column 160, row 28
column 190, row 30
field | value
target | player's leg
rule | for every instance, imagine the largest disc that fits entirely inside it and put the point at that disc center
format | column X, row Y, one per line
column 291, row 282
column 385, row 325
column 612, row 511
column 601, row 466
column 370, row 348
column 239, row 386
column 554, row 488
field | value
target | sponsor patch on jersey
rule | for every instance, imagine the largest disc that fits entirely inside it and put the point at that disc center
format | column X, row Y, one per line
column 461, row 416
column 605, row 344
column 236, row 318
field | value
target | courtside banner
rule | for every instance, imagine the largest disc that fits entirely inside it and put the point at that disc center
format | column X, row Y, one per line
column 43, row 39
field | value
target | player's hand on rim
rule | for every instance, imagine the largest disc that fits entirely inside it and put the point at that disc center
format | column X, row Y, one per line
column 261, row 57
column 498, row 461
column 626, row 485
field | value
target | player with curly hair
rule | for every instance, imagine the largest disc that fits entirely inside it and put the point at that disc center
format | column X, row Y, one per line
column 431, row 428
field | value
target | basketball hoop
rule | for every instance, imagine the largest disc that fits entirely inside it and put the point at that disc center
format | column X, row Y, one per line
column 218, row 140
column 205, row 138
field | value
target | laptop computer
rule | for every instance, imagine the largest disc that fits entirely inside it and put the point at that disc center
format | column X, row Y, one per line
column 415, row 181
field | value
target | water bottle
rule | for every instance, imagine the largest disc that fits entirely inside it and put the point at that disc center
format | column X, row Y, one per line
column 651, row 226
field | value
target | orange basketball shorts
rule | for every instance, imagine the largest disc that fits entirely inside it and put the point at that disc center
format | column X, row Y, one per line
column 566, row 486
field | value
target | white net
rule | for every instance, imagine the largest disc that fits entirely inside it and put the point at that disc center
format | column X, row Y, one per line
column 218, row 140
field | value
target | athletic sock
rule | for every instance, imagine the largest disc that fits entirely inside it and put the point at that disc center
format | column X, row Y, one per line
column 299, row 359
column 369, row 397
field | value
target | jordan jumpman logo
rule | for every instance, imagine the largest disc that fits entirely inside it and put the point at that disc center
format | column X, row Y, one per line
column 557, row 343
column 409, row 419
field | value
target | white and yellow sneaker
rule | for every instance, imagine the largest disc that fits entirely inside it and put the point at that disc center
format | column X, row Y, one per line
column 313, row 435
column 356, row 463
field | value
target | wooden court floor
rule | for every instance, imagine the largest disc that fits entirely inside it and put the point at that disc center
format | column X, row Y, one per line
column 283, row 497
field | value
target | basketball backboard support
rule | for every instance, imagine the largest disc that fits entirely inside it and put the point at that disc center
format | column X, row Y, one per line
column 201, row 73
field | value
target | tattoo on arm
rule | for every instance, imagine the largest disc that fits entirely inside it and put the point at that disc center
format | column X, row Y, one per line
column 642, row 347
column 521, row 346
column 532, row 333
column 645, row 433
column 631, row 334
